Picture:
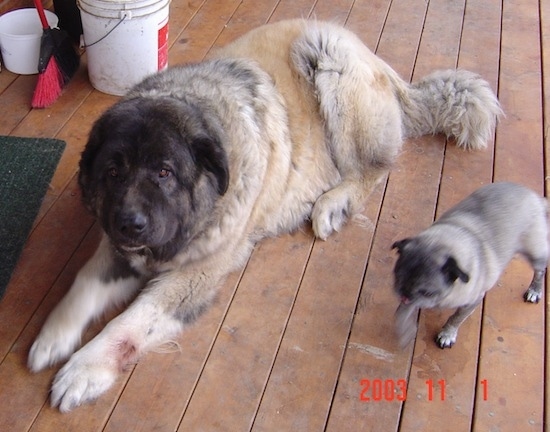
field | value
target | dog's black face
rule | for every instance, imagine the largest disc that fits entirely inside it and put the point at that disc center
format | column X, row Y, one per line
column 152, row 172
column 424, row 273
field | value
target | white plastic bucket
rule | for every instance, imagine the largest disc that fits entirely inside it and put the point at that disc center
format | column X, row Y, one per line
column 20, row 35
column 125, row 40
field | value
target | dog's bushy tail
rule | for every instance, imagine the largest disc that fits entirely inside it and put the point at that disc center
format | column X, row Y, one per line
column 457, row 103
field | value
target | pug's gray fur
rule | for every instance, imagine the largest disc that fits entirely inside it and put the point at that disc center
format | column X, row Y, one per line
column 453, row 263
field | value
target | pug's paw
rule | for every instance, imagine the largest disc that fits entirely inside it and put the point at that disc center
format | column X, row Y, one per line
column 446, row 338
column 532, row 295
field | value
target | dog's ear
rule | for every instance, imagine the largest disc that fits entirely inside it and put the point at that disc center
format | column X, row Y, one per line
column 452, row 271
column 212, row 157
column 86, row 179
column 399, row 245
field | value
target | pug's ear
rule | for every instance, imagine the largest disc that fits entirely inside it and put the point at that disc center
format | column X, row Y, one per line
column 212, row 157
column 399, row 245
column 452, row 271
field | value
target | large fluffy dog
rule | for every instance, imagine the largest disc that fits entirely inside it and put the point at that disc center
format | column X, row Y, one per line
column 294, row 121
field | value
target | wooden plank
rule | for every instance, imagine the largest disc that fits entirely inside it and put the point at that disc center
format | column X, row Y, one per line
column 405, row 17
column 336, row 11
column 367, row 19
column 247, row 16
column 513, row 332
column 249, row 339
column 6, row 79
column 21, row 120
column 304, row 377
column 16, row 102
column 440, row 38
column 288, row 9
column 207, row 24
column 250, row 15
column 181, row 14
column 520, row 151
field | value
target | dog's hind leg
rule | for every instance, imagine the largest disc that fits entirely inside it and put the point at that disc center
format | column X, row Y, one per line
column 361, row 115
column 534, row 292
column 535, row 250
column 363, row 157
column 448, row 334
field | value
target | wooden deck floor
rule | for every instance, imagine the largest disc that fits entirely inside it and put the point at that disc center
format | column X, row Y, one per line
column 293, row 341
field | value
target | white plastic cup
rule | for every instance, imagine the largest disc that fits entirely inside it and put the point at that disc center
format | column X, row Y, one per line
column 20, row 35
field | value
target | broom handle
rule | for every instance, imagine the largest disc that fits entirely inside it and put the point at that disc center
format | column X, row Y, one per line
column 41, row 14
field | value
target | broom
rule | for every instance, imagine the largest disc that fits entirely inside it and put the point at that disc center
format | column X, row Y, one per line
column 57, row 64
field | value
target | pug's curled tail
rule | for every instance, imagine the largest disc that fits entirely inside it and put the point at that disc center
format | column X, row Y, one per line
column 457, row 103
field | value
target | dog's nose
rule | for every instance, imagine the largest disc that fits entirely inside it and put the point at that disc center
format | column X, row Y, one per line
column 132, row 223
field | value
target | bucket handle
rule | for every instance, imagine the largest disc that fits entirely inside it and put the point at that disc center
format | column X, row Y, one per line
column 124, row 15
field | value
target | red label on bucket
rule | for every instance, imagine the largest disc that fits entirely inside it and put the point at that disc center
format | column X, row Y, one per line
column 163, row 47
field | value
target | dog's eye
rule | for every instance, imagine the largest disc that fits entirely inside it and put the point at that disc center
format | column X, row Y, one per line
column 425, row 293
column 113, row 172
column 164, row 173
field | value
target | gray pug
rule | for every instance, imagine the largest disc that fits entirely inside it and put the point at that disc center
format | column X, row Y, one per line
column 453, row 263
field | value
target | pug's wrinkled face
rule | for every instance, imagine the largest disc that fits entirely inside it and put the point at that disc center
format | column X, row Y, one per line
column 424, row 273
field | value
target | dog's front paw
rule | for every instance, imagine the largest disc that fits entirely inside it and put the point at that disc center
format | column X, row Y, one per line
column 446, row 338
column 329, row 215
column 50, row 347
column 80, row 381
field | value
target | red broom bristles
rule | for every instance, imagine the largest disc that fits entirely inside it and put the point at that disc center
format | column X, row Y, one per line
column 49, row 85
column 57, row 62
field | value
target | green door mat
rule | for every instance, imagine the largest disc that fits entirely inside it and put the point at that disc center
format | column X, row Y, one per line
column 26, row 169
